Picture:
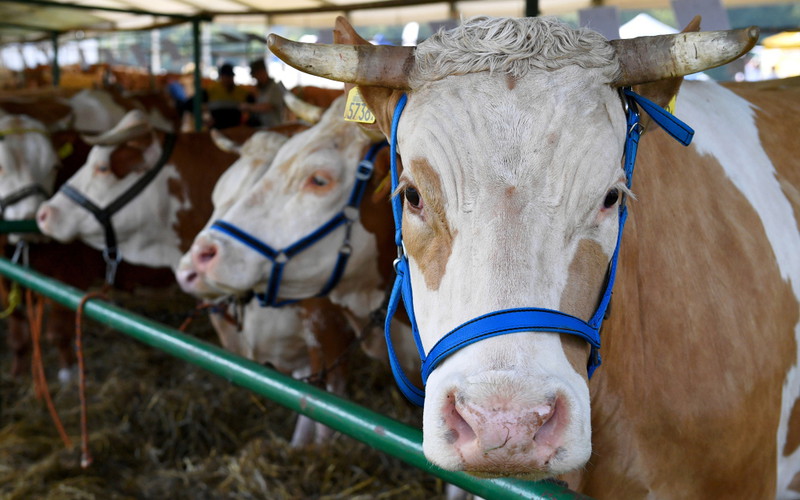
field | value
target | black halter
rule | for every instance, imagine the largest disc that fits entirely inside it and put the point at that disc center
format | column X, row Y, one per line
column 20, row 194
column 111, row 253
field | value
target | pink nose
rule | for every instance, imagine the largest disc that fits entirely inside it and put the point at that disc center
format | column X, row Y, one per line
column 45, row 215
column 500, row 436
column 204, row 255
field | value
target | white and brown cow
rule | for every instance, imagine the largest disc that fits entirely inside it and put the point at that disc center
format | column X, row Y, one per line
column 159, row 224
column 511, row 142
column 309, row 182
column 301, row 341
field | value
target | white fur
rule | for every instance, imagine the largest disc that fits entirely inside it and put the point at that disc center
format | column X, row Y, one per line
column 710, row 107
column 144, row 227
column 95, row 111
column 524, row 172
column 26, row 158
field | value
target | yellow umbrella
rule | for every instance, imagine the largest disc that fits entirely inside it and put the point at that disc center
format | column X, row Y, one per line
column 785, row 40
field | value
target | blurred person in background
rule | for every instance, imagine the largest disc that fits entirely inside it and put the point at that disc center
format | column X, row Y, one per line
column 226, row 100
column 268, row 108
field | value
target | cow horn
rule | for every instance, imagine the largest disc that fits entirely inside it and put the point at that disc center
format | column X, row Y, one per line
column 379, row 65
column 225, row 143
column 133, row 125
column 302, row 109
column 652, row 58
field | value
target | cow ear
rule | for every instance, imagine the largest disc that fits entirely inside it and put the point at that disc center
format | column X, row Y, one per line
column 381, row 101
column 664, row 91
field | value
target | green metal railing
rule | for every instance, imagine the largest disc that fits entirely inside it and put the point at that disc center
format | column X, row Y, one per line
column 18, row 226
column 379, row 431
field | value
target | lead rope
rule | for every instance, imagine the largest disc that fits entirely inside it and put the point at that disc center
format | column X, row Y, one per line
column 35, row 311
column 86, row 456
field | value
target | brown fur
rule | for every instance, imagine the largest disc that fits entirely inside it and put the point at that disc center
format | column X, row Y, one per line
column 699, row 342
column 433, row 244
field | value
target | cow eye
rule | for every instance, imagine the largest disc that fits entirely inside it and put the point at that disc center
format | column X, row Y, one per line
column 611, row 198
column 412, row 197
column 103, row 168
column 318, row 180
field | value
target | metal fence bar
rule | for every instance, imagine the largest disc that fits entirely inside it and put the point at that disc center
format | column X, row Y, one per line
column 18, row 226
column 379, row 431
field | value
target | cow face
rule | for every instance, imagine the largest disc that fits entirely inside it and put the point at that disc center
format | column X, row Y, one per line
column 255, row 156
column 27, row 159
column 123, row 156
column 511, row 141
column 307, row 184
column 510, row 200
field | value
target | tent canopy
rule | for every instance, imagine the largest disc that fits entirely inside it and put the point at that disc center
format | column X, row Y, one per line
column 36, row 19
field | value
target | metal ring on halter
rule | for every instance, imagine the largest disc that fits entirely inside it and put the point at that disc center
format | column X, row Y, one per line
column 21, row 250
column 111, row 264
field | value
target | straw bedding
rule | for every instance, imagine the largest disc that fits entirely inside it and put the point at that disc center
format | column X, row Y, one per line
column 161, row 428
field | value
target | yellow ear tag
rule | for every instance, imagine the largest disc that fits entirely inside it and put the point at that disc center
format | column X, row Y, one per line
column 671, row 106
column 356, row 109
column 65, row 150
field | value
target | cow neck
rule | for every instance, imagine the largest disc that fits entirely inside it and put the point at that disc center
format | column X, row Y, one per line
column 111, row 253
column 525, row 319
column 280, row 257
column 25, row 191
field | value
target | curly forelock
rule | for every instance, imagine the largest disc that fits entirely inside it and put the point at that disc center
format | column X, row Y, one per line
column 510, row 45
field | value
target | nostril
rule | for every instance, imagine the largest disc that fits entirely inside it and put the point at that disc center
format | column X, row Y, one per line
column 191, row 277
column 459, row 431
column 207, row 253
column 553, row 419
column 43, row 214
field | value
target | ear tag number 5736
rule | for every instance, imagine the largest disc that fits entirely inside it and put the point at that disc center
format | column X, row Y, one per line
column 356, row 109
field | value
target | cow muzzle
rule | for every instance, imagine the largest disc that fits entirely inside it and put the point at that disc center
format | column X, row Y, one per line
column 494, row 424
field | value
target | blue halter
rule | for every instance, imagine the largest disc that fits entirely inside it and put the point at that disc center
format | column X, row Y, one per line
column 347, row 216
column 525, row 319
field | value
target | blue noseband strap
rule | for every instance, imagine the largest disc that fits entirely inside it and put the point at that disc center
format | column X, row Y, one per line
column 279, row 258
column 527, row 319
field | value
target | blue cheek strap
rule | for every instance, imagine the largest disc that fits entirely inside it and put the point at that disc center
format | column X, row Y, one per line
column 527, row 319
column 280, row 257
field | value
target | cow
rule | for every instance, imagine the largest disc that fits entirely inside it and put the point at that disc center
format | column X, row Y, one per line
column 310, row 181
column 299, row 340
column 511, row 143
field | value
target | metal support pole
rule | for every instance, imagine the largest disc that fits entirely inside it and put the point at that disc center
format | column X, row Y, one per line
column 56, row 69
column 531, row 8
column 198, row 84
column 379, row 431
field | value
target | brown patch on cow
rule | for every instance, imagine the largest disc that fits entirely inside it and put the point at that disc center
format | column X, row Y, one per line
column 46, row 109
column 376, row 215
column 697, row 349
column 793, row 438
column 126, row 159
column 199, row 164
column 577, row 352
column 432, row 244
column 511, row 81
column 586, row 275
column 794, row 485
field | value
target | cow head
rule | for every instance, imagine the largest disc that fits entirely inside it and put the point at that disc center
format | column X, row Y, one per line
column 511, row 143
column 307, row 184
column 255, row 156
column 27, row 166
column 117, row 160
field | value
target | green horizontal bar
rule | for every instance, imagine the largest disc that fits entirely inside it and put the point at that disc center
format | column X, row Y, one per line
column 18, row 226
column 379, row 431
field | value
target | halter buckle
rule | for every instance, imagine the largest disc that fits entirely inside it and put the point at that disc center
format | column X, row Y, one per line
column 281, row 258
column 111, row 263
column 364, row 170
column 350, row 213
